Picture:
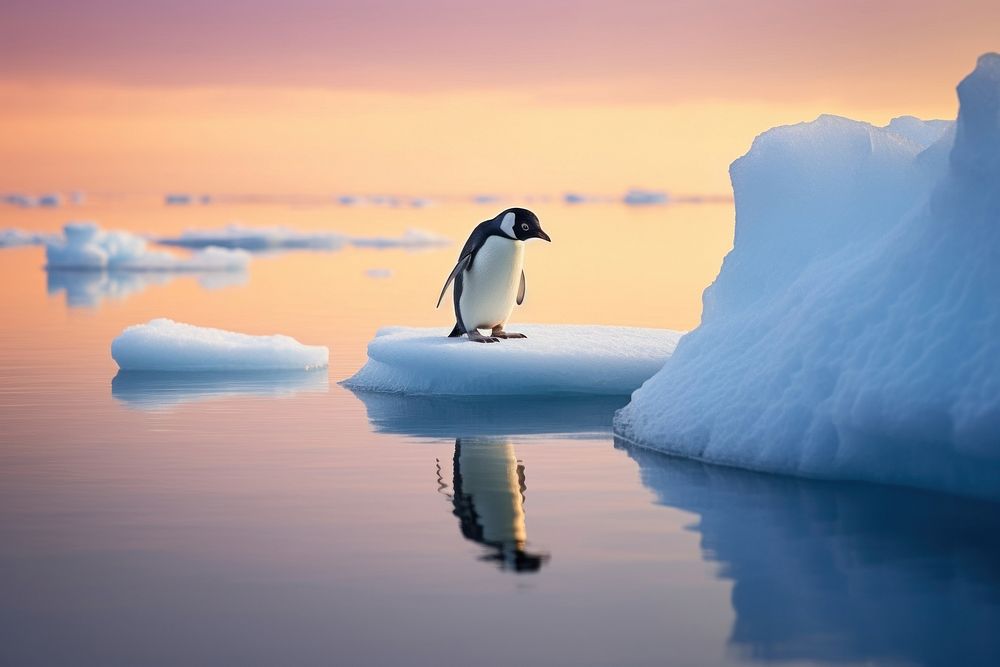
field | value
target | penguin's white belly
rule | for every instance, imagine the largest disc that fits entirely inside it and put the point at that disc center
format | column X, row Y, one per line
column 489, row 288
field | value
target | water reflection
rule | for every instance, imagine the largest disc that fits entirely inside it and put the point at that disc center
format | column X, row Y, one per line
column 843, row 572
column 89, row 289
column 488, row 491
column 147, row 390
column 438, row 416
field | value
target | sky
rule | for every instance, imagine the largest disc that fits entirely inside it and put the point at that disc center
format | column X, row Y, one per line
column 445, row 97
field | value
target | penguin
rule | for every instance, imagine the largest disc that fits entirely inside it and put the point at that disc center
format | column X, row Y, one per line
column 489, row 275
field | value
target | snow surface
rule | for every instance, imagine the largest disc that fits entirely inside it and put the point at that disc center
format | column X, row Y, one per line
column 164, row 391
column 853, row 330
column 165, row 345
column 86, row 246
column 282, row 238
column 553, row 359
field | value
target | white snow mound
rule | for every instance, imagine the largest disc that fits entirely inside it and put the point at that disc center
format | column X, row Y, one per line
column 165, row 345
column 553, row 359
column 854, row 330
column 87, row 247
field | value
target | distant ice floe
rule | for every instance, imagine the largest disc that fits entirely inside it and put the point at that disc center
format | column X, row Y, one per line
column 637, row 197
column 411, row 238
column 165, row 345
column 256, row 239
column 163, row 391
column 45, row 200
column 553, row 359
column 262, row 239
column 13, row 238
column 852, row 332
column 379, row 273
column 86, row 246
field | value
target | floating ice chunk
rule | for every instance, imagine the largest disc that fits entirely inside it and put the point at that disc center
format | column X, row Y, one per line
column 553, row 359
column 165, row 345
column 87, row 246
column 12, row 238
column 852, row 331
column 412, row 238
column 636, row 197
column 50, row 200
column 379, row 273
column 282, row 238
column 163, row 391
column 256, row 238
column 177, row 199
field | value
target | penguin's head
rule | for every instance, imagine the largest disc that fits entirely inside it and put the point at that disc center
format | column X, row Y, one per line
column 521, row 224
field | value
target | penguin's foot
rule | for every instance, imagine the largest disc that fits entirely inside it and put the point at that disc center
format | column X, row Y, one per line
column 477, row 337
column 498, row 332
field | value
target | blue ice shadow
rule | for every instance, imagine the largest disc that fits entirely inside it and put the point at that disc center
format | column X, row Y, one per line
column 842, row 572
column 151, row 390
column 459, row 417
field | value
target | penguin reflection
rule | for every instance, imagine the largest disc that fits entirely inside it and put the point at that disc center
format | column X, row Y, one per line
column 488, row 499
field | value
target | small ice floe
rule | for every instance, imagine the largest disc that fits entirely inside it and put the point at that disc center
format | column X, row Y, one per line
column 256, row 239
column 412, row 238
column 13, row 238
column 637, row 197
column 260, row 239
column 50, row 200
column 576, row 198
column 177, row 199
column 163, row 391
column 379, row 273
column 165, row 345
column 553, row 359
column 20, row 200
column 87, row 247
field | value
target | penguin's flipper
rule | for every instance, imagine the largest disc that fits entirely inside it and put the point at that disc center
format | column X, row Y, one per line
column 462, row 263
column 520, row 290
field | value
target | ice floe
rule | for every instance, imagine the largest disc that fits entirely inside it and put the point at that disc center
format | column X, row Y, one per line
column 257, row 239
column 553, row 359
column 86, row 246
column 853, row 330
column 165, row 345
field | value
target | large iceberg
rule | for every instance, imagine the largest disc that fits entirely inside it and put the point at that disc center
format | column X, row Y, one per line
column 854, row 330
column 553, row 359
column 165, row 345
column 86, row 246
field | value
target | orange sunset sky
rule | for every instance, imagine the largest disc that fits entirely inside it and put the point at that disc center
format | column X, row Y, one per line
column 443, row 97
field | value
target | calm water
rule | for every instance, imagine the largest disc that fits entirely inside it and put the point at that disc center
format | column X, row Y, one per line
column 270, row 519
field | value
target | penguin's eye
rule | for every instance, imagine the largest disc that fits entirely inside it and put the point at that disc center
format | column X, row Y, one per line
column 524, row 226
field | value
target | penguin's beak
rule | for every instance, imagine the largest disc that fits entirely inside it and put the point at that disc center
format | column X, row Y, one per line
column 542, row 235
